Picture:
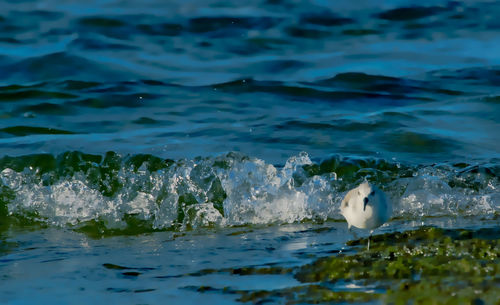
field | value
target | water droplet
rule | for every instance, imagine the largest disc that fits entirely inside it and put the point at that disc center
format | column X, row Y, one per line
column 29, row 114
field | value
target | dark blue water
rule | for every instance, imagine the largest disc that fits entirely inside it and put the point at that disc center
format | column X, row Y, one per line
column 269, row 79
column 150, row 127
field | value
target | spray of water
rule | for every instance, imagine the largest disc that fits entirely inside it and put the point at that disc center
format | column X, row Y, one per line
column 149, row 193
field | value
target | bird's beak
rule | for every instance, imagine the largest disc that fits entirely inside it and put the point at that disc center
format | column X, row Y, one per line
column 365, row 202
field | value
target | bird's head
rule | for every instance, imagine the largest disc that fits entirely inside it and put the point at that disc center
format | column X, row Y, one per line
column 368, row 193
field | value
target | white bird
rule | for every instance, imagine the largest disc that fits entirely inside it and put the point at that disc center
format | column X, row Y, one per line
column 366, row 207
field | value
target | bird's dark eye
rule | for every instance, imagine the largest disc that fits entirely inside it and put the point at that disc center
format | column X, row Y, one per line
column 372, row 193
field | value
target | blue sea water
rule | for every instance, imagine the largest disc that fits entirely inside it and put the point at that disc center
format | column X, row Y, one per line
column 149, row 147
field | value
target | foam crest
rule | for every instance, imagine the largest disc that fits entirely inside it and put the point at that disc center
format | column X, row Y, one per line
column 144, row 193
column 259, row 193
column 429, row 193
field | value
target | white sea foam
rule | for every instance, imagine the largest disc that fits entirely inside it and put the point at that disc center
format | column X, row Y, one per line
column 259, row 193
column 198, row 193
column 429, row 194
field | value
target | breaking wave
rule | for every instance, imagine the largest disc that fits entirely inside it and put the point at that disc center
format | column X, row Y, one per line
column 133, row 194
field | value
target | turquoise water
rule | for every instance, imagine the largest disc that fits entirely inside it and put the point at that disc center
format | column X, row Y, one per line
column 148, row 149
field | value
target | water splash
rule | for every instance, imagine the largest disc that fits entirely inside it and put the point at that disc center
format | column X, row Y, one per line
column 141, row 193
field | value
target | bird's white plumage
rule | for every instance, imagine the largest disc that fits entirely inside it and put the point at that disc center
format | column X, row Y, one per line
column 366, row 207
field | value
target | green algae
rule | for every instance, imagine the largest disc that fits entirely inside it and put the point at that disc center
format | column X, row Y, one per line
column 306, row 294
column 424, row 266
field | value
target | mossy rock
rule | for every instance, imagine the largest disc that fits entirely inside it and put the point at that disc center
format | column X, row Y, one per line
column 308, row 294
column 425, row 266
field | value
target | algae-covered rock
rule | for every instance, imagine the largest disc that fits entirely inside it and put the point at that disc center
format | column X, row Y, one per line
column 308, row 294
column 425, row 266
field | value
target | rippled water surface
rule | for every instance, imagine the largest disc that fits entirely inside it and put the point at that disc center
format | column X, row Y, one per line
column 150, row 148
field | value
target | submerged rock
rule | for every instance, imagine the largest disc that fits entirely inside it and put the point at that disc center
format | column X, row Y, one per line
column 425, row 266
